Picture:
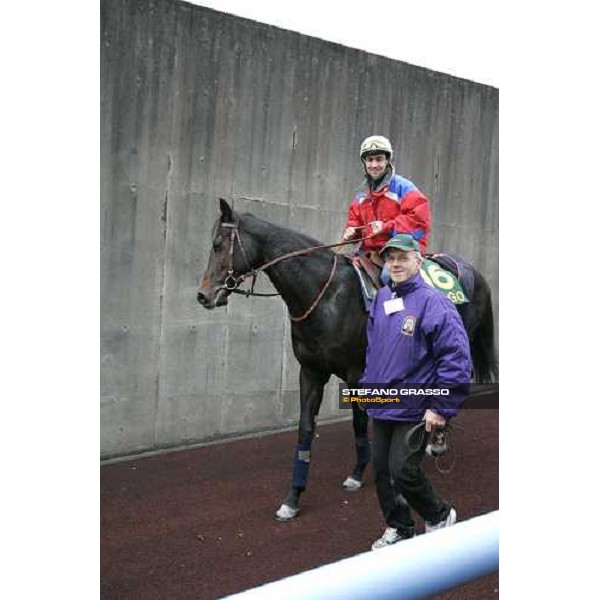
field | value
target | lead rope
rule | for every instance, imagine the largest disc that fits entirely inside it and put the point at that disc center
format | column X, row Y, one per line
column 419, row 429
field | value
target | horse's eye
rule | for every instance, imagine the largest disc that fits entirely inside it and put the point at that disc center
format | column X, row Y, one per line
column 217, row 243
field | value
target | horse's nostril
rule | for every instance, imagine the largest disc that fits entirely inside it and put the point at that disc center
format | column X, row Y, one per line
column 201, row 298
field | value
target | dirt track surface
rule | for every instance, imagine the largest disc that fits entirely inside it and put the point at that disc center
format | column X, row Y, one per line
column 199, row 523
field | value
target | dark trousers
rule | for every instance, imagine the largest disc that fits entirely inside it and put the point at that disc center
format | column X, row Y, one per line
column 400, row 482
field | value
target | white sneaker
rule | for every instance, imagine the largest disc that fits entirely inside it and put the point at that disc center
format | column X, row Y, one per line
column 447, row 522
column 389, row 537
column 286, row 513
column 351, row 484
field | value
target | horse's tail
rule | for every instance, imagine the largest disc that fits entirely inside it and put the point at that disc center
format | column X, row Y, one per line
column 483, row 347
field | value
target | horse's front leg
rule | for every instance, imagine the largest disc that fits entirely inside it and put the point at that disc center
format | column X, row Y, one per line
column 312, row 383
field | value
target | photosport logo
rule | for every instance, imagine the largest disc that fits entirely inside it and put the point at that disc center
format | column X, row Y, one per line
column 420, row 395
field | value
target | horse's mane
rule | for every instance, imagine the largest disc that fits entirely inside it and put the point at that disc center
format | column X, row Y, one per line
column 275, row 232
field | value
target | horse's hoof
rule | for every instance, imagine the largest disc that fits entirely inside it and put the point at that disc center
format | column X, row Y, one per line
column 351, row 484
column 286, row 512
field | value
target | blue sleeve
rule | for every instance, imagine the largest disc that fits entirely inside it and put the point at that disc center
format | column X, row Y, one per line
column 449, row 345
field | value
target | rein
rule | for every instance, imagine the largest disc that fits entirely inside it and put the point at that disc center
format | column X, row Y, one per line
column 232, row 283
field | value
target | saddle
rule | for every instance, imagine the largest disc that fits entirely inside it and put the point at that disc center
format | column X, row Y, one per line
column 368, row 269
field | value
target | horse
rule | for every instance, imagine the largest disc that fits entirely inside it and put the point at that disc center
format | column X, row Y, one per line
column 328, row 321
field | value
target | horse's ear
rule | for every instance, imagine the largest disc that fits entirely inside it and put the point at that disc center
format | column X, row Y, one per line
column 226, row 212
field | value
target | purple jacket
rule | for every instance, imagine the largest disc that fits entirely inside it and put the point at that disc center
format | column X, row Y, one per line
column 425, row 343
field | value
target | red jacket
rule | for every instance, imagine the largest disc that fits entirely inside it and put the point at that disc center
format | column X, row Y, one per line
column 399, row 204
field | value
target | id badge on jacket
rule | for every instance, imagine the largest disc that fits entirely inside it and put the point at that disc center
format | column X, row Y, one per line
column 393, row 306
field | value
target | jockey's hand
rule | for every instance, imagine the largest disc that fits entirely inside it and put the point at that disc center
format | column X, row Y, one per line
column 377, row 227
column 349, row 233
column 433, row 420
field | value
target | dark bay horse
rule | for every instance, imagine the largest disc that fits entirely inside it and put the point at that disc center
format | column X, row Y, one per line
column 322, row 294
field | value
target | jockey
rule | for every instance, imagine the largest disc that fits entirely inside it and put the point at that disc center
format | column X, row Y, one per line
column 386, row 203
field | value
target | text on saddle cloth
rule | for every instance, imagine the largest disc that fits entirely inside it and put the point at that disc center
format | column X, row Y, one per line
column 443, row 280
column 432, row 273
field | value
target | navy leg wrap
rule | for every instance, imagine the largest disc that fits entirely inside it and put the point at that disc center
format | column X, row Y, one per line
column 301, row 466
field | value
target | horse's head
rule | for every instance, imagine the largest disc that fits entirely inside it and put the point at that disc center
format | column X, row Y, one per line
column 230, row 256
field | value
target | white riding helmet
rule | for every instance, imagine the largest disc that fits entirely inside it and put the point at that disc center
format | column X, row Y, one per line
column 376, row 143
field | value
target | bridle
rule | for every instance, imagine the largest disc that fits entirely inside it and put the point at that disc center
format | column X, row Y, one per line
column 231, row 283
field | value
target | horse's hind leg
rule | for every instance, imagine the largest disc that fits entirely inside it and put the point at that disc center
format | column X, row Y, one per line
column 478, row 318
column 363, row 449
column 312, row 383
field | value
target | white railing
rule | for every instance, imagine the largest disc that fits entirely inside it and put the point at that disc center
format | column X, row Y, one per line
column 416, row 568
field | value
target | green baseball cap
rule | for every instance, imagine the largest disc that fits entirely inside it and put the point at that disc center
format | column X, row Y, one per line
column 402, row 241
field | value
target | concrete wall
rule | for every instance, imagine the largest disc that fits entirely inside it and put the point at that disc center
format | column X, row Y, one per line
column 197, row 104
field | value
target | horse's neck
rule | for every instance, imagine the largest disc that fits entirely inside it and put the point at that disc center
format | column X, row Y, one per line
column 297, row 279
